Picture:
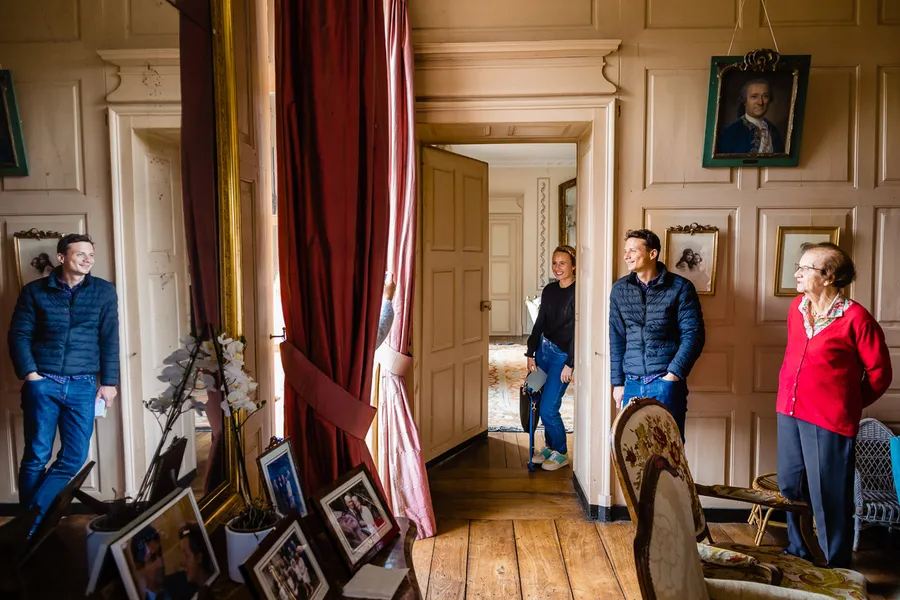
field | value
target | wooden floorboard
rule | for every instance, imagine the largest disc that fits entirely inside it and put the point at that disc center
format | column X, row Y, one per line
column 496, row 451
column 422, row 553
column 591, row 575
column 511, row 447
column 507, row 506
column 447, row 580
column 618, row 541
column 493, row 570
column 541, row 566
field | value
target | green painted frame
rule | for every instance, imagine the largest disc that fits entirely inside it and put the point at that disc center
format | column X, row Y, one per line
column 11, row 140
column 761, row 61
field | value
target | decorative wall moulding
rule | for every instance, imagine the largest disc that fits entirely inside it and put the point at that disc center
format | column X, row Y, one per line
column 143, row 76
column 513, row 69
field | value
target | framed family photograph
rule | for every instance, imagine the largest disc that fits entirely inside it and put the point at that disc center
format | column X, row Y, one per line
column 35, row 252
column 282, row 482
column 286, row 565
column 356, row 516
column 755, row 108
column 166, row 553
column 13, row 160
column 692, row 252
column 787, row 253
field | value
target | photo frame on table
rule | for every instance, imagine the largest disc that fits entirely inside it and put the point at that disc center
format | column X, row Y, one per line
column 692, row 251
column 287, row 564
column 356, row 516
column 755, row 108
column 787, row 253
column 167, row 548
column 278, row 467
column 35, row 252
column 13, row 158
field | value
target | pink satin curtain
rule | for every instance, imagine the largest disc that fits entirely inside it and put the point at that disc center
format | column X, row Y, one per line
column 399, row 459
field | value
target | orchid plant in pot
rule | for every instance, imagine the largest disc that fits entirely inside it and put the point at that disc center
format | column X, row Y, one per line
column 246, row 530
column 189, row 372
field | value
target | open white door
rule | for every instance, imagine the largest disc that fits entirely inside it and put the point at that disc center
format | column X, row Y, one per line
column 455, row 327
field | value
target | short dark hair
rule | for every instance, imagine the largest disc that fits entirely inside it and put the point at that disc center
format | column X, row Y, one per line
column 837, row 265
column 62, row 247
column 651, row 240
column 193, row 534
column 139, row 544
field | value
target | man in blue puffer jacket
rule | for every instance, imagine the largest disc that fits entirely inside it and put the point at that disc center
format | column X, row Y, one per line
column 64, row 335
column 656, row 330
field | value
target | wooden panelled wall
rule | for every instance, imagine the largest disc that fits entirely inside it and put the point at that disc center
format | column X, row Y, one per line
column 849, row 174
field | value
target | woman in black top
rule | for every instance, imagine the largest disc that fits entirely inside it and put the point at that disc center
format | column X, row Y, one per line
column 551, row 346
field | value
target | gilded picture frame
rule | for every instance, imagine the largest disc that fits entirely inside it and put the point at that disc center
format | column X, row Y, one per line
column 755, row 108
column 692, row 251
column 567, row 215
column 787, row 253
column 35, row 253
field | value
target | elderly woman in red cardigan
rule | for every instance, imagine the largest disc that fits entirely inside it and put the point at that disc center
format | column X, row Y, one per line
column 836, row 364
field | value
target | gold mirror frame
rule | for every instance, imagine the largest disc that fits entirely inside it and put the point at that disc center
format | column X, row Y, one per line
column 561, row 224
column 218, row 504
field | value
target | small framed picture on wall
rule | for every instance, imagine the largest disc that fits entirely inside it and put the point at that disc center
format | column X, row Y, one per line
column 788, row 252
column 35, row 252
column 691, row 251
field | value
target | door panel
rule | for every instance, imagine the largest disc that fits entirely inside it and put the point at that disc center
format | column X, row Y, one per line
column 455, row 327
column 506, row 274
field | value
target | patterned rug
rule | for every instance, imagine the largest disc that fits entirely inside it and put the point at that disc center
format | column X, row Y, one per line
column 506, row 374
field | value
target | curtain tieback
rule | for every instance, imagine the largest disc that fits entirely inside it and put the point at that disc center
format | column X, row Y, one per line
column 392, row 361
column 332, row 402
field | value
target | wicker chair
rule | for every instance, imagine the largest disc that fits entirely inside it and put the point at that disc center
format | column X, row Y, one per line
column 873, row 491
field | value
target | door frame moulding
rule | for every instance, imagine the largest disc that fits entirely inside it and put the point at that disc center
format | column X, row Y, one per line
column 596, row 249
column 124, row 122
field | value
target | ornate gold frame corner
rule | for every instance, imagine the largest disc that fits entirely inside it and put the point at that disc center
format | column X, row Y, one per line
column 219, row 504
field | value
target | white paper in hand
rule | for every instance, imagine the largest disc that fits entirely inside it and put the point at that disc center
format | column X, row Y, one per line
column 100, row 408
column 374, row 582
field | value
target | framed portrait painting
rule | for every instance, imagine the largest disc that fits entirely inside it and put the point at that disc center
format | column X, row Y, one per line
column 755, row 108
column 788, row 251
column 35, row 252
column 286, row 564
column 692, row 252
column 167, row 551
column 13, row 160
column 568, row 199
column 356, row 516
column 282, row 482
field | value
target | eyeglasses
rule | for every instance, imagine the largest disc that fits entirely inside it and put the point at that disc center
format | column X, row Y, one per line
column 806, row 268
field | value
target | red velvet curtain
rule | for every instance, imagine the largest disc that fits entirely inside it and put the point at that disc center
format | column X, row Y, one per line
column 199, row 192
column 331, row 103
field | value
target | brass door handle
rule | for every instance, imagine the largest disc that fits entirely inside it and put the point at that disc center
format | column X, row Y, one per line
column 485, row 305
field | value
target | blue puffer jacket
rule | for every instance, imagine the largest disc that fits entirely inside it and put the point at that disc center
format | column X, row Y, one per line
column 49, row 335
column 657, row 332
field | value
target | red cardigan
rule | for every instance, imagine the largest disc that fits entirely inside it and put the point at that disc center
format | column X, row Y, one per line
column 829, row 379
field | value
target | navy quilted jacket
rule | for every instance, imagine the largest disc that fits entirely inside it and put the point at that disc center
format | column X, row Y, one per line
column 655, row 332
column 49, row 335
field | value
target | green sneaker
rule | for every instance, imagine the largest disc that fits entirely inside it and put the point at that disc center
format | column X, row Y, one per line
column 541, row 455
column 555, row 461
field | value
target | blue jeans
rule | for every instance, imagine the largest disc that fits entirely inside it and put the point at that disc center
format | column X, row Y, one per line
column 672, row 394
column 46, row 406
column 552, row 360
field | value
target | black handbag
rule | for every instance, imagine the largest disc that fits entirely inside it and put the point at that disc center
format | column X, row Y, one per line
column 529, row 402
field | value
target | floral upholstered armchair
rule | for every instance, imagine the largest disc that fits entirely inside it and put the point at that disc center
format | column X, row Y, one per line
column 645, row 428
column 666, row 565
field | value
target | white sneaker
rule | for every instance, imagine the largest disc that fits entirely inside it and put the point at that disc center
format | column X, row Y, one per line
column 555, row 461
column 541, row 455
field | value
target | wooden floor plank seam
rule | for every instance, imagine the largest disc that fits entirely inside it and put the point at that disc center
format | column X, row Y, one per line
column 612, row 565
column 562, row 557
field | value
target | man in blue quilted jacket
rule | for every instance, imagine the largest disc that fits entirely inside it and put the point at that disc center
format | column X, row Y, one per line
column 656, row 330
column 63, row 340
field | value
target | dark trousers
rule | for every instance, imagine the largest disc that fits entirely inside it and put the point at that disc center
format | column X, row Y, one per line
column 46, row 407
column 817, row 466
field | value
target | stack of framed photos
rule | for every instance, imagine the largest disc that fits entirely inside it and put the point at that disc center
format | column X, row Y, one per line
column 166, row 552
